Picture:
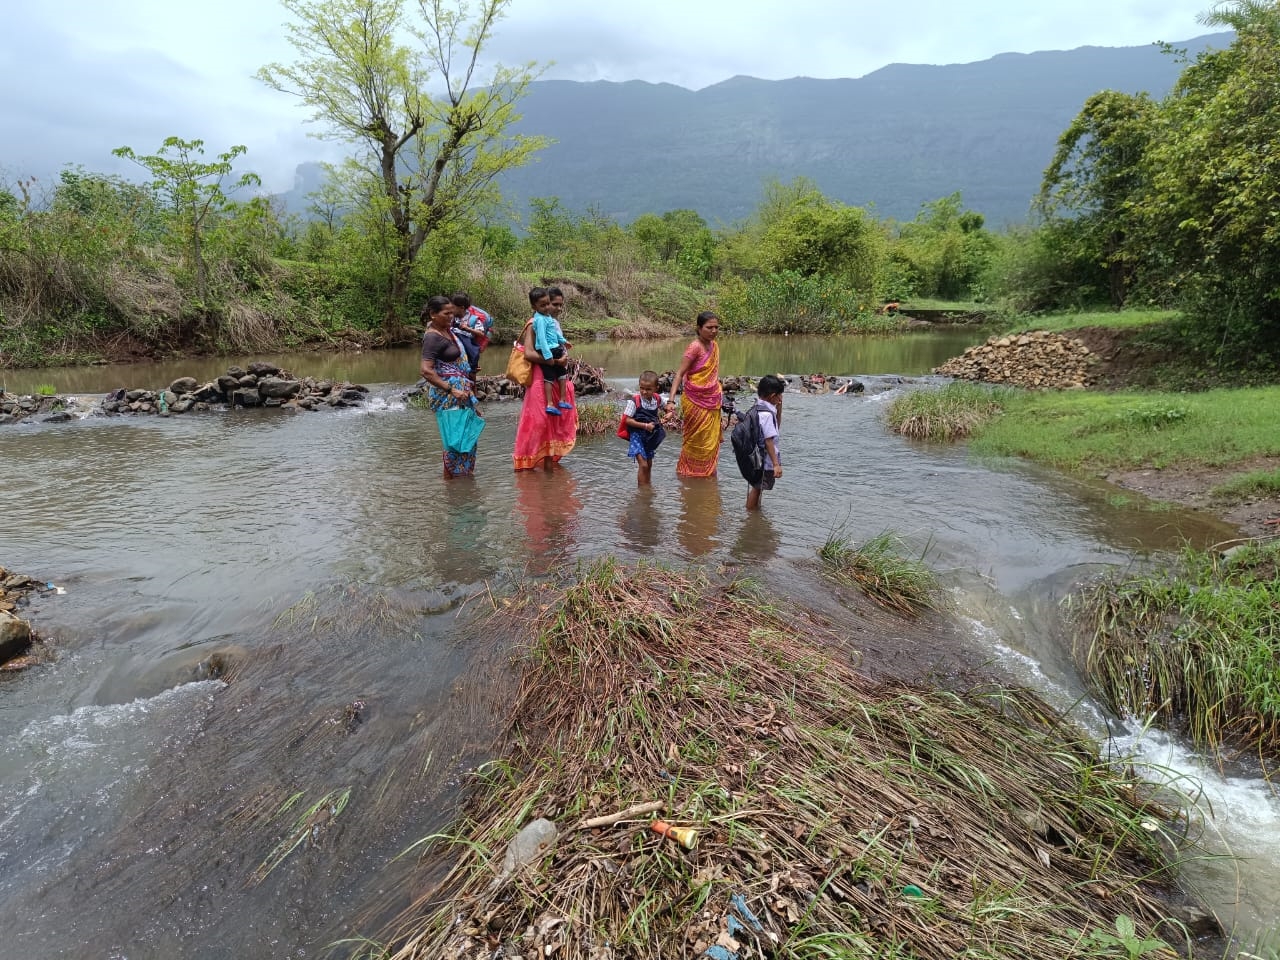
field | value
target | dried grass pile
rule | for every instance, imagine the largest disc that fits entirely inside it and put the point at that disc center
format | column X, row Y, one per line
column 835, row 816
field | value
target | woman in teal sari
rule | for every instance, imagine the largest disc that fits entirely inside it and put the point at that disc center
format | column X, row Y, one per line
column 446, row 371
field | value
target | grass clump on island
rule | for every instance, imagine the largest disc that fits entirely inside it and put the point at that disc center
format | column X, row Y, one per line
column 952, row 412
column 879, row 569
column 596, row 419
column 833, row 816
column 1196, row 650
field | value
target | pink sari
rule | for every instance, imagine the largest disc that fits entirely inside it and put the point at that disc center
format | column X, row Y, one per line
column 540, row 436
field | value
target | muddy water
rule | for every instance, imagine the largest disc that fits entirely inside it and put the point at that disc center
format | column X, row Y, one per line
column 149, row 809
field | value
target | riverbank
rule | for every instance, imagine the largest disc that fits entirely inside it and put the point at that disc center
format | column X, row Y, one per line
column 1165, row 423
column 693, row 771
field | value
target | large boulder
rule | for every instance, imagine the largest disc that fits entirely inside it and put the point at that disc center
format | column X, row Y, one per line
column 277, row 389
column 15, row 637
column 184, row 385
column 260, row 369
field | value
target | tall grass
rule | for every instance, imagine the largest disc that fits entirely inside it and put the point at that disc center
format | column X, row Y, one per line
column 596, row 419
column 878, row 568
column 1196, row 649
column 950, row 413
column 1255, row 483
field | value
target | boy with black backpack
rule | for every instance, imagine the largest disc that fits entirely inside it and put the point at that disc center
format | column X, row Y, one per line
column 755, row 439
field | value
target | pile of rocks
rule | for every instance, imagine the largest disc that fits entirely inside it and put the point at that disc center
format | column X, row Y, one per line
column 261, row 385
column 1036, row 360
column 14, row 408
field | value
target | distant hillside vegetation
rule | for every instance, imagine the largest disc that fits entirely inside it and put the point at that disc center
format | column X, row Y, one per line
column 895, row 138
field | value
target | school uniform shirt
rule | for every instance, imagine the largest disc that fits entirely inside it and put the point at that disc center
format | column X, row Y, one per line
column 655, row 407
column 769, row 428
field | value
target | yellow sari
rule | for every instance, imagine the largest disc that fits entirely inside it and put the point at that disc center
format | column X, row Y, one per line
column 700, row 410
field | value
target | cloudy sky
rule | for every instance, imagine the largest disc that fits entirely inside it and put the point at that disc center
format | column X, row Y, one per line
column 82, row 78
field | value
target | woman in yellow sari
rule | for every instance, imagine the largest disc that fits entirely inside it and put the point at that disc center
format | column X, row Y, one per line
column 700, row 407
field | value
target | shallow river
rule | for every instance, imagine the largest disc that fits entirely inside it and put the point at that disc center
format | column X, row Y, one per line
column 142, row 802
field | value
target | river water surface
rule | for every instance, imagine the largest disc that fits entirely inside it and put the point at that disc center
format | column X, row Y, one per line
column 150, row 809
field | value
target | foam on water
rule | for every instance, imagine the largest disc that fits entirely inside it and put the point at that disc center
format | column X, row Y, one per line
column 65, row 775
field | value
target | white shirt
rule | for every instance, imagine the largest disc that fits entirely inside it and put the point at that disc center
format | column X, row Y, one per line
column 769, row 428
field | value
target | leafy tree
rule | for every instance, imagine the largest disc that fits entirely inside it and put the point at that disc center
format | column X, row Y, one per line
column 825, row 239
column 194, row 189
column 944, row 252
column 1098, row 177
column 434, row 156
column 678, row 240
column 1215, row 182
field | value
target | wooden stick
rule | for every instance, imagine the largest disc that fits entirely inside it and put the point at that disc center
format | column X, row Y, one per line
column 610, row 819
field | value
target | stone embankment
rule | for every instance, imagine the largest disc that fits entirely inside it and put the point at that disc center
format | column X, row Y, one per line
column 1035, row 360
column 260, row 385
column 15, row 634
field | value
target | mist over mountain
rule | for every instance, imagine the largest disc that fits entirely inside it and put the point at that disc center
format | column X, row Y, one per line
column 894, row 139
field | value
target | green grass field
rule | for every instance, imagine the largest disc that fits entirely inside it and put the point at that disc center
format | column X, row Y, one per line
column 1128, row 430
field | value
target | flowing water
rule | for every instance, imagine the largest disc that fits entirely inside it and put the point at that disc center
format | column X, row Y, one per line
column 149, row 808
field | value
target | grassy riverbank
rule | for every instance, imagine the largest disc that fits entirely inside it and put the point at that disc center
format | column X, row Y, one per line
column 830, row 815
column 1191, row 647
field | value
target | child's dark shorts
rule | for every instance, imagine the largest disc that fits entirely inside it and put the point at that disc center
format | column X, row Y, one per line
column 766, row 481
column 554, row 371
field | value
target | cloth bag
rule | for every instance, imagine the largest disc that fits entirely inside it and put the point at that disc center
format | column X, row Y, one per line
column 519, row 369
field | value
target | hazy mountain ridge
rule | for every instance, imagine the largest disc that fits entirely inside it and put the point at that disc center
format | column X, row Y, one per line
column 895, row 138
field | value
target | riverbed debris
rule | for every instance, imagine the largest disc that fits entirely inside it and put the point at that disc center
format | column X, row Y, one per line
column 818, row 794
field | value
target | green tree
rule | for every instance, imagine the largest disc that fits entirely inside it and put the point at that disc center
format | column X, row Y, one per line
column 1098, row 177
column 1215, row 182
column 434, row 156
column 944, row 252
column 678, row 240
column 825, row 239
column 194, row 190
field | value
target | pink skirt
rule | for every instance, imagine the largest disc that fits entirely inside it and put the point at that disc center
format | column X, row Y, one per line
column 539, row 435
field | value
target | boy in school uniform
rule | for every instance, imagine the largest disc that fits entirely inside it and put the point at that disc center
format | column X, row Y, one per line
column 769, row 410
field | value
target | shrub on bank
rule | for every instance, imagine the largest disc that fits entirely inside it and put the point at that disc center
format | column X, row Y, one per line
column 1197, row 649
column 789, row 302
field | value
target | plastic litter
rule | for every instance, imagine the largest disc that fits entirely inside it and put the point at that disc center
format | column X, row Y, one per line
column 532, row 843
column 911, row 890
column 685, row 836
column 740, row 904
column 55, row 588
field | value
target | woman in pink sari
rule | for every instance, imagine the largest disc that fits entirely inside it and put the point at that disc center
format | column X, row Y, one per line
column 700, row 407
column 542, row 439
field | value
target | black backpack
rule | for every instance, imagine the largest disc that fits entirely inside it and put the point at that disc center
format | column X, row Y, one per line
column 748, row 444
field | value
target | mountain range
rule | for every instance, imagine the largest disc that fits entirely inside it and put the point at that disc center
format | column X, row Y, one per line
column 893, row 139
